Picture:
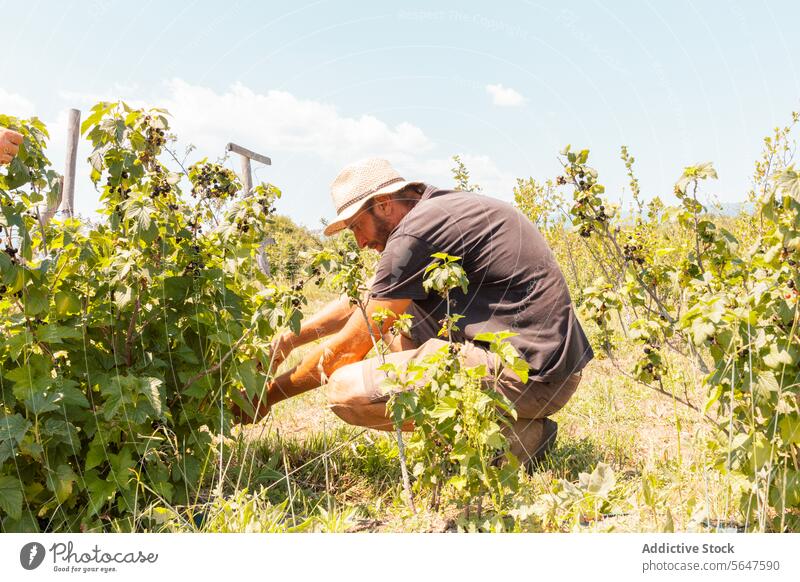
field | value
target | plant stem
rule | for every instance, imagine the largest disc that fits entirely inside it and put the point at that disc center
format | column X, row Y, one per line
column 398, row 427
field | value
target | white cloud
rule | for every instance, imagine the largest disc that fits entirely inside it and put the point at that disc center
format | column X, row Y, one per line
column 16, row 105
column 309, row 141
column 277, row 120
column 504, row 96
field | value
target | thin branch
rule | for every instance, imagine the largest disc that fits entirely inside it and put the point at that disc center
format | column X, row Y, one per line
column 398, row 427
column 654, row 388
column 696, row 233
column 131, row 329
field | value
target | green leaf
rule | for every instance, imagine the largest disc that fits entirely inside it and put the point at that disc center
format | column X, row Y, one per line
column 150, row 388
column 52, row 333
column 495, row 440
column 123, row 298
column 121, row 465
column 35, row 301
column 140, row 211
column 490, row 337
column 250, row 378
column 789, row 182
column 60, row 482
column 95, row 455
column 39, row 402
column 243, row 404
column 447, row 407
column 767, row 381
column 669, row 525
column 100, row 491
column 521, row 369
column 67, row 303
column 114, row 397
column 11, row 496
column 776, row 358
column 762, row 450
column 13, row 428
column 602, row 480
column 702, row 330
column 462, row 452
column 784, row 494
column 98, row 111
column 458, row 482
column 177, row 288
column 790, row 428
column 714, row 394
column 69, row 395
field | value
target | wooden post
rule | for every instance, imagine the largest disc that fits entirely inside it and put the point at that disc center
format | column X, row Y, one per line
column 247, row 176
column 247, row 155
column 68, row 192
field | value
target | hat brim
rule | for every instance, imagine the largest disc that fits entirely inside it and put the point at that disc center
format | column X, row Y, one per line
column 341, row 220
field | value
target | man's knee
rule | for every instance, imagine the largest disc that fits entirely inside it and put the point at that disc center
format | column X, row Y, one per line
column 345, row 386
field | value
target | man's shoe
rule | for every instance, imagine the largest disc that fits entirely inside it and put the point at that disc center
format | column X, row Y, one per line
column 549, row 433
column 531, row 439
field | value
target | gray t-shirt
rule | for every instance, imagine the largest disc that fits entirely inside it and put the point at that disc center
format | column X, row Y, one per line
column 515, row 283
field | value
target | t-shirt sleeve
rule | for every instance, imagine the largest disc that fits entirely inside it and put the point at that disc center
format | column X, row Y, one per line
column 401, row 269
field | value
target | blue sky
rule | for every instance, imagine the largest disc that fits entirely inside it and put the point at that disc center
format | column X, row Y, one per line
column 506, row 85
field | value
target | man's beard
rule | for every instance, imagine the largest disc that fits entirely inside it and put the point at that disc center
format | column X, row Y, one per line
column 383, row 229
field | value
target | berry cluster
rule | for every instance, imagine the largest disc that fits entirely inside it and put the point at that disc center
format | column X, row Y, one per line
column 587, row 213
column 315, row 272
column 155, row 138
column 122, row 188
column 194, row 268
column 195, row 226
column 632, row 252
column 12, row 253
column 196, row 265
column 266, row 204
column 212, row 181
column 160, row 188
column 650, row 367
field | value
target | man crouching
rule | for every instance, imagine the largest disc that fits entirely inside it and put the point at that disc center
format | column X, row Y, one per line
column 515, row 284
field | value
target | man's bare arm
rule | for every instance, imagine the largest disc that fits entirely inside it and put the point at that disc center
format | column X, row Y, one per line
column 349, row 345
column 330, row 319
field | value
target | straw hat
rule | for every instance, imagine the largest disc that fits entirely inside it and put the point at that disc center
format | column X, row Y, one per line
column 357, row 184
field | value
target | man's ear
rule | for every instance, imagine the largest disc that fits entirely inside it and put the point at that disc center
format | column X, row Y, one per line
column 383, row 204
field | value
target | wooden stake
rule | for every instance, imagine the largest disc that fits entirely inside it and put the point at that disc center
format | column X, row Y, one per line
column 246, row 155
column 68, row 193
column 247, row 177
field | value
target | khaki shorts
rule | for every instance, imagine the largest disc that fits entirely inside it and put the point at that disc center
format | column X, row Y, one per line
column 531, row 400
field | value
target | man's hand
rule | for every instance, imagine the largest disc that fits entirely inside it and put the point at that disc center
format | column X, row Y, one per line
column 260, row 407
column 9, row 145
column 282, row 345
